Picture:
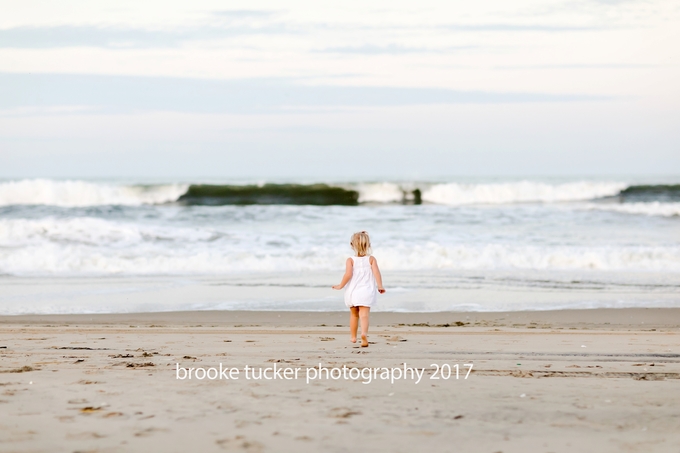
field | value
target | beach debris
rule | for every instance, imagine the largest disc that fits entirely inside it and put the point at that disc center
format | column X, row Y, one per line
column 23, row 369
column 326, row 338
column 523, row 395
column 188, row 357
column 121, row 356
column 457, row 417
column 427, row 324
column 649, row 377
column 583, row 346
column 90, row 409
column 146, row 354
column 79, row 361
column 520, row 373
column 139, row 365
column 78, row 348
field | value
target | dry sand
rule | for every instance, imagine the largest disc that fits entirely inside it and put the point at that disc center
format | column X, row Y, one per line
column 582, row 380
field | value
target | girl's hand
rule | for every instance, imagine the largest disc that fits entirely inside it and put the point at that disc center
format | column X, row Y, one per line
column 336, row 287
column 381, row 290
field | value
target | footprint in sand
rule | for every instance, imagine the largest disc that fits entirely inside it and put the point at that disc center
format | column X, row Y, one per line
column 240, row 443
column 149, row 432
column 342, row 412
column 85, row 436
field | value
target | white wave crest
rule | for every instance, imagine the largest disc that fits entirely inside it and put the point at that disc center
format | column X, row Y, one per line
column 654, row 208
column 384, row 192
column 83, row 193
column 518, row 192
column 91, row 246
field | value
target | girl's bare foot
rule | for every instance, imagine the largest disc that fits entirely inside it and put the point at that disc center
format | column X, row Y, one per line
column 353, row 339
column 364, row 341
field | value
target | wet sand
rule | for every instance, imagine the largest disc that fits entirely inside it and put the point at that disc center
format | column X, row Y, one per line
column 579, row 380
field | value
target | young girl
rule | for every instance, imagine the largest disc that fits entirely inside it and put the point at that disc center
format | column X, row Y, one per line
column 365, row 282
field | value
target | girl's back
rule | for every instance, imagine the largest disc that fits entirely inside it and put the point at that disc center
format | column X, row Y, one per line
column 362, row 282
column 362, row 290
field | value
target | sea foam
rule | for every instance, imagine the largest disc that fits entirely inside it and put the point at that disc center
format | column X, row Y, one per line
column 95, row 246
column 654, row 208
column 83, row 193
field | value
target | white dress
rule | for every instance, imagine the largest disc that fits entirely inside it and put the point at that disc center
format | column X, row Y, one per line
column 361, row 290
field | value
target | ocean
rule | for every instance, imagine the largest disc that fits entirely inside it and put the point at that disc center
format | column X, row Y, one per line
column 484, row 244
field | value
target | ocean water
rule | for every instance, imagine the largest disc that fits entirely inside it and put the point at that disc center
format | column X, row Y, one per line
column 424, row 234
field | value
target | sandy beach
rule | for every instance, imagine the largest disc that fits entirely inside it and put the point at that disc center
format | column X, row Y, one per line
column 603, row 380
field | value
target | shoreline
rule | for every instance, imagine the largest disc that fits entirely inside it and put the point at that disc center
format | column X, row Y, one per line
column 598, row 318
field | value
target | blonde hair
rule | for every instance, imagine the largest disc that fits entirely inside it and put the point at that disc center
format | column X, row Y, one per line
column 361, row 243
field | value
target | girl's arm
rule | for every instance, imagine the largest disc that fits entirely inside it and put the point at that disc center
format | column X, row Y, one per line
column 348, row 274
column 376, row 274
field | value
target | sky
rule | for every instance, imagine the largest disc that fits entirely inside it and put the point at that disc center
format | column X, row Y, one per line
column 338, row 90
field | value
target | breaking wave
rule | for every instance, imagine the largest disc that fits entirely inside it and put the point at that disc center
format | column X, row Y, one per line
column 83, row 193
column 519, row 192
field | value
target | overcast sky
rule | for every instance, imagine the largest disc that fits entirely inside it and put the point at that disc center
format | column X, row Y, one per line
column 341, row 90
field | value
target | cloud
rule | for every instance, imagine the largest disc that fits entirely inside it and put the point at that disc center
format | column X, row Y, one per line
column 581, row 66
column 244, row 13
column 129, row 37
column 130, row 94
column 110, row 37
column 391, row 49
column 518, row 28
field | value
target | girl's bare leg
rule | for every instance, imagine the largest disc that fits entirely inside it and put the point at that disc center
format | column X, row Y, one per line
column 363, row 315
column 353, row 323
